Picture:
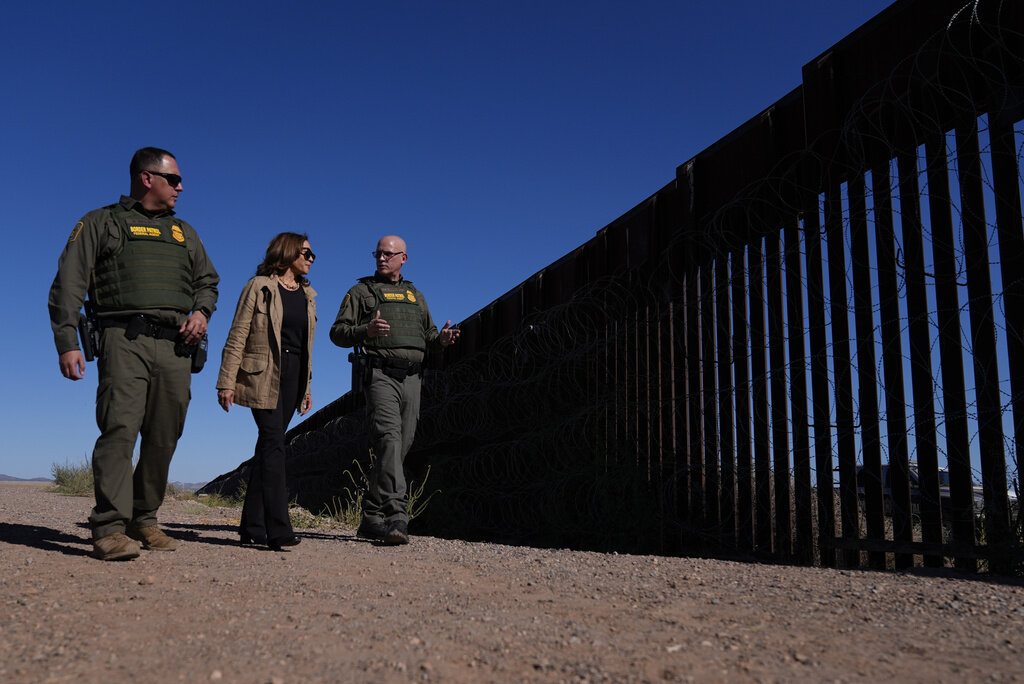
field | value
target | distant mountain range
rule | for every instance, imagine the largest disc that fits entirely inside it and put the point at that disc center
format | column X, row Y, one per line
column 190, row 486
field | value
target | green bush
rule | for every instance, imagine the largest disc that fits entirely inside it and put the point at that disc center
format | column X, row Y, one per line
column 73, row 479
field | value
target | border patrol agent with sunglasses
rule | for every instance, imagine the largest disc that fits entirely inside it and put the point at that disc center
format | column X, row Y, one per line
column 152, row 290
column 387, row 320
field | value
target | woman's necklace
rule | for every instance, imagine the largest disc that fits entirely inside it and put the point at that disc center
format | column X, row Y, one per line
column 294, row 285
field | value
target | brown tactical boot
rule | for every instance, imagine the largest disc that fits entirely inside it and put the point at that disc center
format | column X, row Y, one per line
column 114, row 547
column 152, row 538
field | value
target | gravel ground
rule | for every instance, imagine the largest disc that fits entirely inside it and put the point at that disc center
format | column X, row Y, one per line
column 338, row 608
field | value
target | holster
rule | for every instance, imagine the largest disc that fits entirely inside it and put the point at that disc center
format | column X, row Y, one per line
column 199, row 354
column 88, row 332
column 361, row 372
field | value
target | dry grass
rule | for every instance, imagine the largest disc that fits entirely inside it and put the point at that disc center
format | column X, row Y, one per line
column 348, row 509
column 73, row 479
column 76, row 479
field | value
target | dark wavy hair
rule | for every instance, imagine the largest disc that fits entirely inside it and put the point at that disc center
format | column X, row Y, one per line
column 281, row 252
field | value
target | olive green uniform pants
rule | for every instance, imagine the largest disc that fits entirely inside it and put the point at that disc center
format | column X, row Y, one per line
column 394, row 408
column 144, row 388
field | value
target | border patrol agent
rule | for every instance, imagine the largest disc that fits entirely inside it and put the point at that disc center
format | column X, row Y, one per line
column 152, row 289
column 387, row 320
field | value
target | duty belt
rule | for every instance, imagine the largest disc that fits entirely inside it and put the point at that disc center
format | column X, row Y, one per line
column 395, row 364
column 141, row 325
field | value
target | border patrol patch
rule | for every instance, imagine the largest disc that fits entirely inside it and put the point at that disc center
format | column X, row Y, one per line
column 148, row 231
column 410, row 296
column 344, row 302
column 177, row 234
column 75, row 231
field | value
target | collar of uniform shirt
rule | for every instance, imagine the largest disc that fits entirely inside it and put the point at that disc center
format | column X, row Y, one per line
column 135, row 205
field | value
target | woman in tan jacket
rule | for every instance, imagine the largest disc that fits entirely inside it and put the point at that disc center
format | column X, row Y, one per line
column 266, row 367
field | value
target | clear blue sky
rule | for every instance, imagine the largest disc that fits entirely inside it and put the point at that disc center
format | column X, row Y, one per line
column 494, row 137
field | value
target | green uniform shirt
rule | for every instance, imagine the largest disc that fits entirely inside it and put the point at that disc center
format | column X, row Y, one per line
column 357, row 310
column 96, row 236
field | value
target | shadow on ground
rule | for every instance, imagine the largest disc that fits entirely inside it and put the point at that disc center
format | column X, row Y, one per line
column 198, row 532
column 45, row 538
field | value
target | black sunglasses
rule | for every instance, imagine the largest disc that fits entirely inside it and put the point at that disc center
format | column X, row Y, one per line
column 307, row 254
column 173, row 179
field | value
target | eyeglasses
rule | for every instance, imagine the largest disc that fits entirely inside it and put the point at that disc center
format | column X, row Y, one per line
column 307, row 254
column 173, row 179
column 388, row 256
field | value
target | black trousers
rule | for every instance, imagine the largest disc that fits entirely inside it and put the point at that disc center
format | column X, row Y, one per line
column 265, row 511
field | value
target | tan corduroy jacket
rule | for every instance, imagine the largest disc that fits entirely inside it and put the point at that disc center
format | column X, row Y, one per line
column 251, row 361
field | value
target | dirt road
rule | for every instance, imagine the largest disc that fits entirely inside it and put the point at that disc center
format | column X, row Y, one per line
column 337, row 608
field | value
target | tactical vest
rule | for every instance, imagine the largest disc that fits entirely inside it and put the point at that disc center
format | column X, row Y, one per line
column 150, row 269
column 399, row 305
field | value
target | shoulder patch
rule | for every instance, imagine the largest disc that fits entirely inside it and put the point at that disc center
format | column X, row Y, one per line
column 344, row 302
column 75, row 231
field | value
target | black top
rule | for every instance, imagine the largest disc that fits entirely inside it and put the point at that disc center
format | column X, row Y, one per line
column 294, row 323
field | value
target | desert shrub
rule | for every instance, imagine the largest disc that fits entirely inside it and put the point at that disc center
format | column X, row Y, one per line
column 173, row 491
column 73, row 479
column 217, row 500
column 348, row 509
column 304, row 520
